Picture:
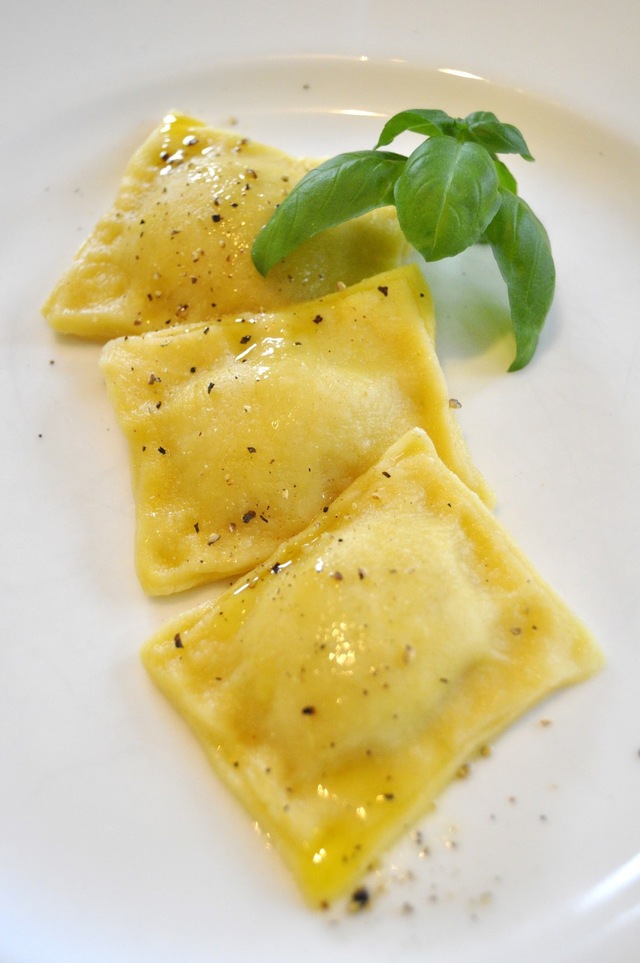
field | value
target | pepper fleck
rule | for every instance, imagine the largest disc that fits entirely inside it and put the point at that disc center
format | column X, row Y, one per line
column 177, row 641
column 360, row 899
column 309, row 711
column 383, row 289
column 248, row 516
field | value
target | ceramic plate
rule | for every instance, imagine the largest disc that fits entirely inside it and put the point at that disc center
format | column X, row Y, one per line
column 117, row 842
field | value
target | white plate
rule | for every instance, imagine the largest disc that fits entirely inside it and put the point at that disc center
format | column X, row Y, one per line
column 116, row 841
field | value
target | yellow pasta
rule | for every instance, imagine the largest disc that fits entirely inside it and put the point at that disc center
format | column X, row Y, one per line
column 176, row 245
column 338, row 687
column 241, row 431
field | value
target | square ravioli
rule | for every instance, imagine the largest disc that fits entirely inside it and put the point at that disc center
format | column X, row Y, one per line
column 176, row 245
column 339, row 687
column 242, row 430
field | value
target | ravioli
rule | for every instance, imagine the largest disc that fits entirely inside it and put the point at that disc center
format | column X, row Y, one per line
column 339, row 687
column 176, row 245
column 241, row 431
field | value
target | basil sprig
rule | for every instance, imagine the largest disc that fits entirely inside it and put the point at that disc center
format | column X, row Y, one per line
column 451, row 192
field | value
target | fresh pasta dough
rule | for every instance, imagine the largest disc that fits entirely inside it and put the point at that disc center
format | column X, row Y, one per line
column 240, row 431
column 338, row 687
column 176, row 245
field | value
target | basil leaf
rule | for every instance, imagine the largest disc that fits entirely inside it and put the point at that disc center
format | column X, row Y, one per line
column 505, row 177
column 450, row 193
column 446, row 196
column 507, row 181
column 341, row 188
column 483, row 127
column 521, row 247
column 429, row 123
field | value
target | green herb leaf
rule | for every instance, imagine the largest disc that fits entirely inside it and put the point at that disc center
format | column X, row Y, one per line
column 338, row 190
column 450, row 193
column 429, row 123
column 521, row 247
column 446, row 196
column 483, row 127
column 505, row 177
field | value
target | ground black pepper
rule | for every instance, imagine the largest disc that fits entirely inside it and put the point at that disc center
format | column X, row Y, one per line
column 360, row 899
